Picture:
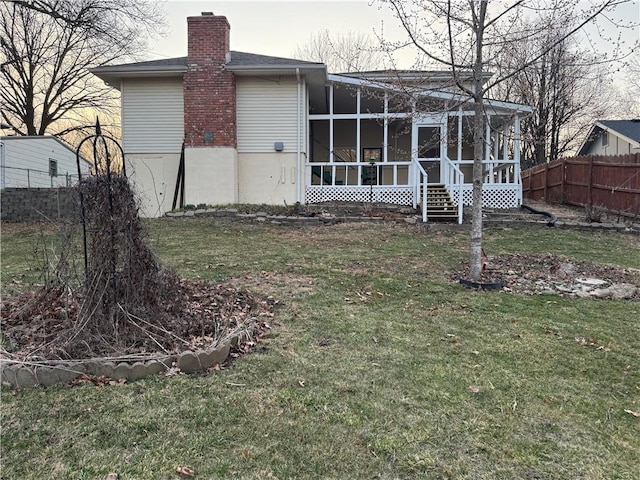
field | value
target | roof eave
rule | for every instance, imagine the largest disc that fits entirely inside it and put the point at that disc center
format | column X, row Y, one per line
column 113, row 75
column 627, row 139
column 250, row 69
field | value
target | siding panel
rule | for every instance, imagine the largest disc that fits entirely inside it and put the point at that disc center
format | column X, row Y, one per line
column 152, row 115
column 266, row 109
column 25, row 162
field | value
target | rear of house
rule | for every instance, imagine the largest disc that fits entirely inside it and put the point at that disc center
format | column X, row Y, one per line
column 221, row 127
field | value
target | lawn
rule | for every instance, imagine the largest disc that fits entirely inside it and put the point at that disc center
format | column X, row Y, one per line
column 378, row 365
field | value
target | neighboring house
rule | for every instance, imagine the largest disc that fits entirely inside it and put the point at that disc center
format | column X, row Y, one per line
column 260, row 129
column 612, row 137
column 38, row 162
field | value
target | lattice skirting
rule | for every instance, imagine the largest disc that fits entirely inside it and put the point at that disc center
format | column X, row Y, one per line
column 380, row 194
column 493, row 196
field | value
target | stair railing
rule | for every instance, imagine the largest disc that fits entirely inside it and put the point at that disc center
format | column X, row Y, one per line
column 420, row 180
column 454, row 178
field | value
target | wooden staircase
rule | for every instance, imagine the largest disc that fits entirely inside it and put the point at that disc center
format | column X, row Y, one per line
column 440, row 207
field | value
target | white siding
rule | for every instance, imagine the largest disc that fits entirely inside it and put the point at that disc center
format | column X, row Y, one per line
column 616, row 146
column 266, row 113
column 25, row 162
column 152, row 115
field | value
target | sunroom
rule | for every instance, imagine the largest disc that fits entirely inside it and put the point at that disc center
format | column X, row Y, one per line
column 384, row 138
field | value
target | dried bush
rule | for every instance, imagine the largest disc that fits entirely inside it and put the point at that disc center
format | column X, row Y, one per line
column 127, row 303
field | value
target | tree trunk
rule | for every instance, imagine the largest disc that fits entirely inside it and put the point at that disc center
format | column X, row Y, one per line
column 475, row 257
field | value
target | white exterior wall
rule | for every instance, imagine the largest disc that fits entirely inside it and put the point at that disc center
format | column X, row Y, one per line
column 154, row 179
column 152, row 115
column 25, row 162
column 616, row 146
column 211, row 175
column 267, row 112
column 152, row 134
column 268, row 178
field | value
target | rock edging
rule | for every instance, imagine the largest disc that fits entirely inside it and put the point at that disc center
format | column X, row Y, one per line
column 47, row 373
column 263, row 217
column 404, row 217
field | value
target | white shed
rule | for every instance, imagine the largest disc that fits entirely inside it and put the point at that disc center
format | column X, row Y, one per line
column 38, row 162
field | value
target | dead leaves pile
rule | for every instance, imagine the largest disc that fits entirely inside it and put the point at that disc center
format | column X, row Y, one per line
column 39, row 325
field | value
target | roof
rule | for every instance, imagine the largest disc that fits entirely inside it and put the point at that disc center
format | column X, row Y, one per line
column 443, row 94
column 239, row 62
column 413, row 75
column 628, row 130
column 625, row 128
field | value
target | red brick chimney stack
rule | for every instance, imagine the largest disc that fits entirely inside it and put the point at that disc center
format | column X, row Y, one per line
column 209, row 89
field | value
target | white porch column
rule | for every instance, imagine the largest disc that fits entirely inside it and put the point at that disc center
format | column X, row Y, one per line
column 358, row 152
column 516, row 156
column 487, row 148
column 460, row 134
column 330, row 123
column 385, row 133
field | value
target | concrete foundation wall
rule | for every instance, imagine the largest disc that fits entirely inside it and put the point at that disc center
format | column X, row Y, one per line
column 269, row 178
column 154, row 180
column 211, row 175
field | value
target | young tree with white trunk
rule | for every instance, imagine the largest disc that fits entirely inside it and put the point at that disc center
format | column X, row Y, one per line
column 473, row 35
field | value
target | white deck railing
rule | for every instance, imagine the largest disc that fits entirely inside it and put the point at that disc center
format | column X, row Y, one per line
column 405, row 183
column 420, row 179
column 453, row 178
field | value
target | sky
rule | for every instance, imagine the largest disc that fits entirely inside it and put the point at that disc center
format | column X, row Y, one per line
column 271, row 27
column 276, row 27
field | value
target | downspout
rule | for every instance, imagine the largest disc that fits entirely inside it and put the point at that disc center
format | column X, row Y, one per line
column 299, row 132
column 2, row 165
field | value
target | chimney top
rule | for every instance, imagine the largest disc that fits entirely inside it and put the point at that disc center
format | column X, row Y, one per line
column 207, row 14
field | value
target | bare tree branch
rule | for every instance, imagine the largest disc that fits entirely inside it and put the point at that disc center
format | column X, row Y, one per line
column 47, row 47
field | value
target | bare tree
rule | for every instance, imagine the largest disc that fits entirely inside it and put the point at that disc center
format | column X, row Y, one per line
column 567, row 86
column 629, row 105
column 47, row 47
column 347, row 52
column 470, row 36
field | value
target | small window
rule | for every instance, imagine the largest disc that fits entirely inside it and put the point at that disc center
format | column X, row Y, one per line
column 605, row 138
column 53, row 168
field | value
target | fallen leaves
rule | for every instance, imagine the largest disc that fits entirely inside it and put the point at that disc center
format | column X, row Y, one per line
column 186, row 471
column 98, row 380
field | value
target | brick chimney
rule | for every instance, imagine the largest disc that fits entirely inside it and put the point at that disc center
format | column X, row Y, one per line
column 209, row 90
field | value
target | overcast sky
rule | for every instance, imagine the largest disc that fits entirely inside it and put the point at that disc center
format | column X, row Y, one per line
column 272, row 27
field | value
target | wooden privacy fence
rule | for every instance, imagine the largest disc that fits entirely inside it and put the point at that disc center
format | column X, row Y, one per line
column 611, row 183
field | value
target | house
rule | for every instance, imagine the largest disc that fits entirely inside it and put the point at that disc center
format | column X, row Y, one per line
column 38, row 162
column 612, row 137
column 262, row 129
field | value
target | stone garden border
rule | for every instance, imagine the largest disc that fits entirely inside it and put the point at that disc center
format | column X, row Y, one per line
column 25, row 374
column 329, row 219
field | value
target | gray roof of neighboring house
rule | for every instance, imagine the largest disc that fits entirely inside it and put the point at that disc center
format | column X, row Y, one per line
column 627, row 128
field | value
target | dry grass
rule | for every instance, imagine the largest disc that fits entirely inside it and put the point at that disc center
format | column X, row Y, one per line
column 378, row 366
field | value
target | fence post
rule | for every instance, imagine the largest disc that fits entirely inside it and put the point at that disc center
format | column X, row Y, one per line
column 546, row 180
column 590, row 183
column 562, row 176
column 28, row 179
